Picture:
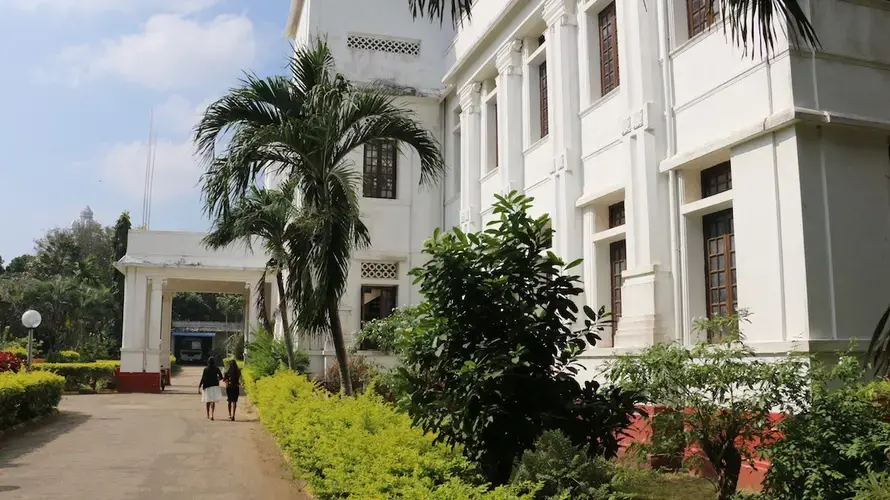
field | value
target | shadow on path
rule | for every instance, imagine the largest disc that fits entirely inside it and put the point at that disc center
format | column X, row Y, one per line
column 35, row 436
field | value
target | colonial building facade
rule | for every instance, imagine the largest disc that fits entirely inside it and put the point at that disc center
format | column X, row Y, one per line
column 693, row 178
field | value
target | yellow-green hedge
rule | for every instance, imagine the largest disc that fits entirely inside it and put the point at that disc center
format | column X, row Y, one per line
column 24, row 396
column 79, row 374
column 362, row 448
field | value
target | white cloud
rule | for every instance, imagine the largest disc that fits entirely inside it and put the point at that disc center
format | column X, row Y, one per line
column 178, row 115
column 177, row 171
column 67, row 7
column 171, row 52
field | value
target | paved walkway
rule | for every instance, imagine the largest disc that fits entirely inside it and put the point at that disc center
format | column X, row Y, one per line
column 144, row 447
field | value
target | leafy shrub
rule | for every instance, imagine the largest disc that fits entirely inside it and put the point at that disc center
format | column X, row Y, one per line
column 874, row 486
column 361, row 448
column 9, row 362
column 63, row 357
column 361, row 371
column 24, row 396
column 94, row 375
column 726, row 397
column 98, row 346
column 19, row 352
column 837, row 439
column 564, row 470
column 383, row 334
column 266, row 354
column 492, row 362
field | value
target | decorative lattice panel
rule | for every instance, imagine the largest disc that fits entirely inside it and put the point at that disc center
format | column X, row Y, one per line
column 383, row 44
column 380, row 270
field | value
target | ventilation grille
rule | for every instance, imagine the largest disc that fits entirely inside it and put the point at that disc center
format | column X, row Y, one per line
column 382, row 44
column 380, row 270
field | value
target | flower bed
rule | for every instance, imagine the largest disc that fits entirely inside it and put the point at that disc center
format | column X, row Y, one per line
column 361, row 447
column 24, row 396
column 94, row 375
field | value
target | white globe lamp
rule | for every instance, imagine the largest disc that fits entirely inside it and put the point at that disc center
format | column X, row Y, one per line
column 31, row 320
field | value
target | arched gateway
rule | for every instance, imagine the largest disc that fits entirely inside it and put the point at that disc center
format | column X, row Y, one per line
column 159, row 264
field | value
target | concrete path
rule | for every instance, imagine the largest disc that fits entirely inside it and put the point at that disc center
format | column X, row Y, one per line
column 145, row 447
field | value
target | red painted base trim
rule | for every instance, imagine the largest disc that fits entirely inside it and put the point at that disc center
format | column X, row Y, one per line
column 138, row 382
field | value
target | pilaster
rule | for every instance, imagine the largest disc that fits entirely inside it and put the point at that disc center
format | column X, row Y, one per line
column 136, row 302
column 471, row 157
column 510, row 132
column 152, row 363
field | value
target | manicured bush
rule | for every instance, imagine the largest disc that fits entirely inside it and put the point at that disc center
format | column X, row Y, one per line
column 266, row 354
column 384, row 334
column 9, row 362
column 361, row 371
column 24, row 396
column 76, row 375
column 362, row 448
column 20, row 352
column 63, row 357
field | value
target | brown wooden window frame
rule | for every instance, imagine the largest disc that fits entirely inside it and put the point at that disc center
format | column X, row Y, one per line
column 716, row 180
column 719, row 239
column 617, row 264
column 542, row 99
column 617, row 216
column 375, row 175
column 608, row 35
column 705, row 18
column 385, row 308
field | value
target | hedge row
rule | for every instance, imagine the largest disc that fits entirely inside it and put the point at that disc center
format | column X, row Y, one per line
column 362, row 448
column 80, row 374
column 24, row 396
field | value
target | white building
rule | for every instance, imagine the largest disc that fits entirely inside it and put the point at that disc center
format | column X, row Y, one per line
column 692, row 178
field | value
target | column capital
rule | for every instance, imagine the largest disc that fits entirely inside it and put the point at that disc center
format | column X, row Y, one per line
column 508, row 59
column 470, row 95
column 560, row 13
column 157, row 283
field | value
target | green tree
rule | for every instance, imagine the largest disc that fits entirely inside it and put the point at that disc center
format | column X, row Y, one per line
column 2, row 270
column 494, row 358
column 303, row 127
column 119, row 237
column 264, row 214
column 751, row 23
column 20, row 264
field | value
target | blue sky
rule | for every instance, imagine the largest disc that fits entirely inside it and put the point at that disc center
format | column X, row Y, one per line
column 81, row 78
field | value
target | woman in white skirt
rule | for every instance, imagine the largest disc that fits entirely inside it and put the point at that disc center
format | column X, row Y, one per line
column 209, row 387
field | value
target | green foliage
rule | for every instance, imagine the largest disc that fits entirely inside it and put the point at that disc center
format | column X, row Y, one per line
column 63, row 357
column 494, row 357
column 266, row 355
column 20, row 352
column 24, row 396
column 564, row 470
column 77, row 375
column 361, row 448
column 873, row 486
column 723, row 328
column 385, row 334
column 837, row 438
column 361, row 371
column 728, row 396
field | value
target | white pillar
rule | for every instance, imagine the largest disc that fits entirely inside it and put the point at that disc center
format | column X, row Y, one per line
column 166, row 323
column 510, row 132
column 471, row 157
column 153, row 343
column 253, row 318
column 135, row 305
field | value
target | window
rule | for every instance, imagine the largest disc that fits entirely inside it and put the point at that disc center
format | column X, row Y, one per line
column 617, row 264
column 542, row 95
column 720, row 269
column 701, row 15
column 380, row 170
column 616, row 215
column 716, row 180
column 608, row 49
column 377, row 302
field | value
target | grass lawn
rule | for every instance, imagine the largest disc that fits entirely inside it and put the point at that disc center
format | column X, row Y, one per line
column 648, row 485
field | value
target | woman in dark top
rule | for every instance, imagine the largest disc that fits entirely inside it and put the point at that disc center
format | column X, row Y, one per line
column 209, row 387
column 233, row 387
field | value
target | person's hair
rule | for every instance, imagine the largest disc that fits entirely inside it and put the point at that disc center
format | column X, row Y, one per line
column 233, row 373
column 210, row 362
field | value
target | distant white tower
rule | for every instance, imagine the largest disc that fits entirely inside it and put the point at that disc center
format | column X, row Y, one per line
column 86, row 215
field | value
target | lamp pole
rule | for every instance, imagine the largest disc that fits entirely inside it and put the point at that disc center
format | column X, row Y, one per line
column 31, row 320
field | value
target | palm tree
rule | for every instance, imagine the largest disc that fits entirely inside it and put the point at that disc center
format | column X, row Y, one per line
column 262, row 213
column 302, row 128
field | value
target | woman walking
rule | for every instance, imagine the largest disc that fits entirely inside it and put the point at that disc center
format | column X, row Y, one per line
column 209, row 387
column 233, row 387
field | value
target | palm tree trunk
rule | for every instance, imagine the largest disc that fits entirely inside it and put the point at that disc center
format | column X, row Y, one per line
column 340, row 348
column 285, row 324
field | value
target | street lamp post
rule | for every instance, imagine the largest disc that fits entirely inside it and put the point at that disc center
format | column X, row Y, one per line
column 31, row 320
